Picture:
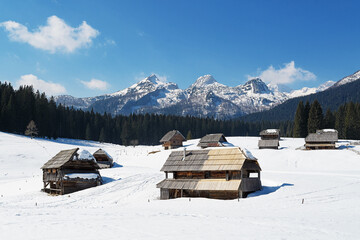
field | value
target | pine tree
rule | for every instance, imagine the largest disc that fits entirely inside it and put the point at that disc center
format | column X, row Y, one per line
column 352, row 125
column 299, row 121
column 329, row 119
column 31, row 129
column 88, row 135
column 306, row 117
column 340, row 121
column 315, row 117
column 102, row 135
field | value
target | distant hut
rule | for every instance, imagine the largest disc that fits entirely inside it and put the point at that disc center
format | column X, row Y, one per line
column 221, row 173
column 172, row 139
column 103, row 159
column 212, row 140
column 70, row 171
column 322, row 139
column 269, row 139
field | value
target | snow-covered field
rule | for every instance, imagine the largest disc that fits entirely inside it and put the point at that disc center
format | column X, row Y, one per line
column 127, row 206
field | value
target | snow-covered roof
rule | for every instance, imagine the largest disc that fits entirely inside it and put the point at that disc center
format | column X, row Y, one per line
column 327, row 130
column 270, row 132
column 65, row 156
column 84, row 155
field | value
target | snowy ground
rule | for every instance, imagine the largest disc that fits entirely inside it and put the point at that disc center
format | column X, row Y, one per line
column 127, row 206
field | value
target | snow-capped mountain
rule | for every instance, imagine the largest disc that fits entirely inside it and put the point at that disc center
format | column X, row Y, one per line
column 307, row 91
column 348, row 79
column 204, row 98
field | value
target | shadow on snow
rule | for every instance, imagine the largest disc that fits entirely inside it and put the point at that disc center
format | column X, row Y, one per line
column 267, row 189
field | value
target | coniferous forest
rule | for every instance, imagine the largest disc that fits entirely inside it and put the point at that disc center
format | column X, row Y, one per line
column 19, row 107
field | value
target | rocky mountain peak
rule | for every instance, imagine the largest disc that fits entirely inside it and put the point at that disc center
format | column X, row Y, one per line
column 152, row 79
column 255, row 85
column 204, row 80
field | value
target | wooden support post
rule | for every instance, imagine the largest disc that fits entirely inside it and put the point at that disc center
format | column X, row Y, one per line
column 166, row 175
column 181, row 193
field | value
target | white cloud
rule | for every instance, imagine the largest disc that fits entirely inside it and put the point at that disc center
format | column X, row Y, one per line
column 96, row 84
column 55, row 36
column 49, row 88
column 288, row 74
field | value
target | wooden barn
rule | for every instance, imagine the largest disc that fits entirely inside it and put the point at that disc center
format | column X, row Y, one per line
column 103, row 159
column 212, row 140
column 220, row 173
column 70, row 171
column 322, row 139
column 269, row 139
column 172, row 139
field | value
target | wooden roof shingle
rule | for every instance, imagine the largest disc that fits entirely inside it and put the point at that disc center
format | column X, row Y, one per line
column 60, row 159
column 219, row 159
column 322, row 136
column 65, row 156
column 168, row 136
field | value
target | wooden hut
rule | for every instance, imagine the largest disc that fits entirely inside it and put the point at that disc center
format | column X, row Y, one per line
column 221, row 173
column 322, row 139
column 269, row 139
column 103, row 159
column 212, row 140
column 70, row 171
column 172, row 139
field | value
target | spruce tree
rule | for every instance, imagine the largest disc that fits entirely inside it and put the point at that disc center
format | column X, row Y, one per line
column 299, row 121
column 102, row 135
column 352, row 125
column 329, row 119
column 340, row 121
column 306, row 117
column 315, row 117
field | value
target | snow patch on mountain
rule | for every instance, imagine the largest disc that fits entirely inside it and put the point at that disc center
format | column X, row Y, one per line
column 348, row 79
column 307, row 91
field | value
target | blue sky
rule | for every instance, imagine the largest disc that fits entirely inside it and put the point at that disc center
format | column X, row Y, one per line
column 296, row 43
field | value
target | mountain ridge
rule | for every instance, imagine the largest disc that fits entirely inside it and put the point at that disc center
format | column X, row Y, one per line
column 206, row 97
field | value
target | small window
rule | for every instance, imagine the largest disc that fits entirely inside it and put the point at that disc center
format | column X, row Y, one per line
column 253, row 175
column 171, row 175
column 207, row 174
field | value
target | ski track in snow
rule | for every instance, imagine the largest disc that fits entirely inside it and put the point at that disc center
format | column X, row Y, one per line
column 127, row 206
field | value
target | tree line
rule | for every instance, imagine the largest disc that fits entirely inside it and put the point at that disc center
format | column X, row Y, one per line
column 310, row 117
column 19, row 107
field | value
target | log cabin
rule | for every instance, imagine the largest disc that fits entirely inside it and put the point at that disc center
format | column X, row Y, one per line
column 172, row 139
column 269, row 139
column 212, row 140
column 220, row 173
column 322, row 139
column 103, row 159
column 69, row 171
